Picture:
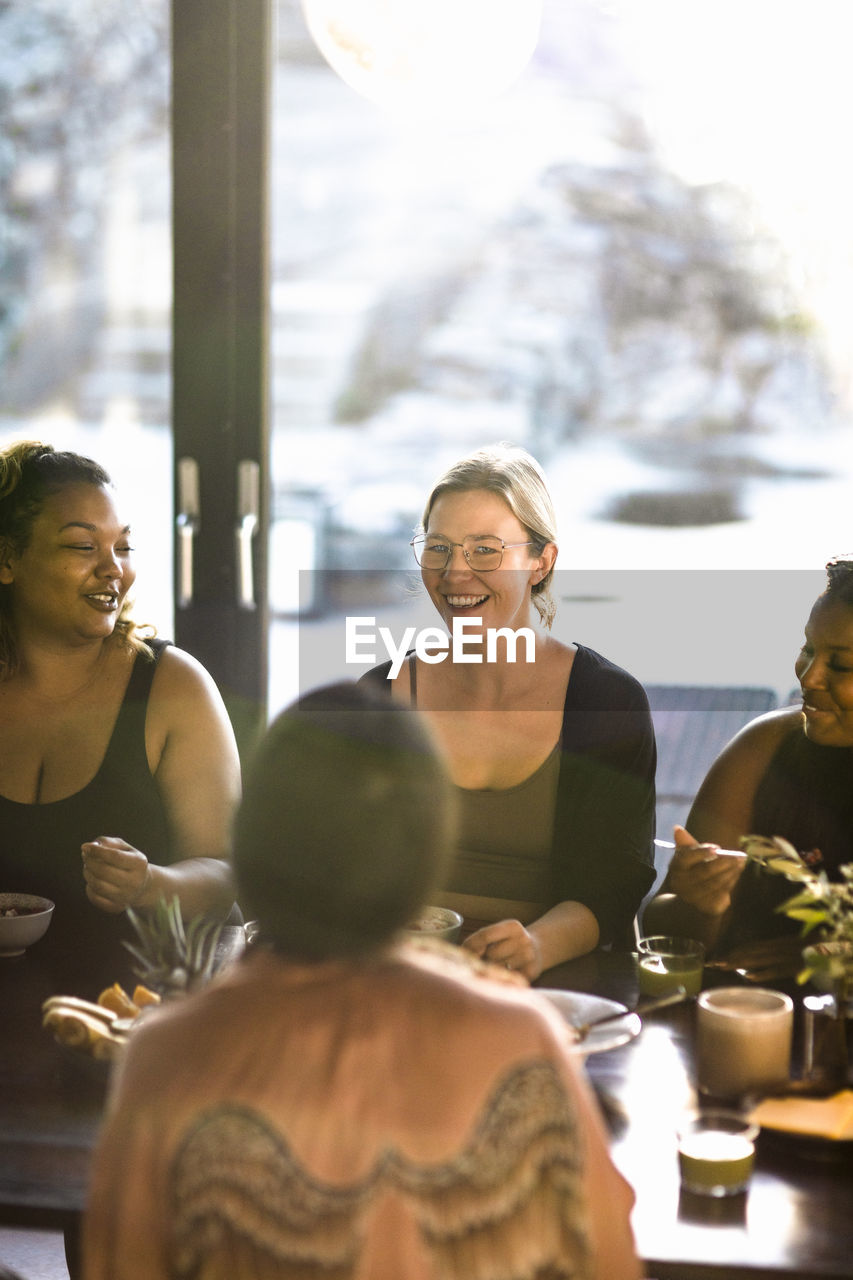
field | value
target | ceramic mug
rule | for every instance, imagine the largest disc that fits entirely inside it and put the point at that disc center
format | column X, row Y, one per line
column 743, row 1041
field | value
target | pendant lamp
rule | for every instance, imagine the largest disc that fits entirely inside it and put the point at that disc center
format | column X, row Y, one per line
column 426, row 57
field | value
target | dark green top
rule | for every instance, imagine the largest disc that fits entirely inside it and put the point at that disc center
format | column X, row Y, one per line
column 601, row 843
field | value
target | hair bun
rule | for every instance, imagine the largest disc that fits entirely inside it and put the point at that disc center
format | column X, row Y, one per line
column 839, row 578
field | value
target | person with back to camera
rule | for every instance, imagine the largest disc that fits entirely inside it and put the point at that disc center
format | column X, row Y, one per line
column 118, row 766
column 342, row 1102
column 553, row 759
column 787, row 773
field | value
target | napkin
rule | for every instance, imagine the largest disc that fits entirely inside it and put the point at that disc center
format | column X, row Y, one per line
column 816, row 1117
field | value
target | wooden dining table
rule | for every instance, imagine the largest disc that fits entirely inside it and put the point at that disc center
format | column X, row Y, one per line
column 796, row 1220
column 51, row 1096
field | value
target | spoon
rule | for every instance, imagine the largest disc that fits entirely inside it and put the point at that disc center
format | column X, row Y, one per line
column 646, row 1006
column 716, row 851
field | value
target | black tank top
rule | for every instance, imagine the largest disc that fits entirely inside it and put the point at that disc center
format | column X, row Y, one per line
column 806, row 795
column 40, row 844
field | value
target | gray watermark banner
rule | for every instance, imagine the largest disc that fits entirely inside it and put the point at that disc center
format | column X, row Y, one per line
column 694, row 629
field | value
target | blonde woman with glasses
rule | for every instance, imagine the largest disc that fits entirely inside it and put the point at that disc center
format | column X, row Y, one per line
column 550, row 745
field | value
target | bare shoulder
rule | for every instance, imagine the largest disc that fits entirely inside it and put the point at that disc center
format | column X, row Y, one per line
column 763, row 735
column 722, row 810
column 179, row 673
column 401, row 684
column 554, row 662
column 559, row 655
column 185, row 705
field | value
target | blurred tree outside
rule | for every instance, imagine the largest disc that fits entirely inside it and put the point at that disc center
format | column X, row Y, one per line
column 550, row 270
column 78, row 83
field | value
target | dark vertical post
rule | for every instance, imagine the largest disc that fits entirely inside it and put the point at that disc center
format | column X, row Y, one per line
column 221, row 102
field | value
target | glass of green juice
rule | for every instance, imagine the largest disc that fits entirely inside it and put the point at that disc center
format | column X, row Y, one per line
column 664, row 964
column 716, row 1152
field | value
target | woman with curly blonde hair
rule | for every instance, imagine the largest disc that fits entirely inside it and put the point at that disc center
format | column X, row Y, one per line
column 118, row 765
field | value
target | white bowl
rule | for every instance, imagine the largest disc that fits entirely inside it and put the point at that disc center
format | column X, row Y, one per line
column 17, row 932
column 437, row 922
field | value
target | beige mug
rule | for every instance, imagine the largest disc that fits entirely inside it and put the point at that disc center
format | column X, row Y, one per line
column 743, row 1039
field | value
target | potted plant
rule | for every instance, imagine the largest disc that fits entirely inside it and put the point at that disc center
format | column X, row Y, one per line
column 823, row 906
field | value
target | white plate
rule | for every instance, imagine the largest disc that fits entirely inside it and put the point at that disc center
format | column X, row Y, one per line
column 577, row 1008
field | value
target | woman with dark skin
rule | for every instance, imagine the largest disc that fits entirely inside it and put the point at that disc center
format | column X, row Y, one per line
column 788, row 773
column 118, row 766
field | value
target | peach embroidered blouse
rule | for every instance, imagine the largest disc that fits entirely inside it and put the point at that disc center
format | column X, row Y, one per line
column 400, row 1118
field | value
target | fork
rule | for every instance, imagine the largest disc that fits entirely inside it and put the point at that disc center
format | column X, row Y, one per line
column 646, row 1006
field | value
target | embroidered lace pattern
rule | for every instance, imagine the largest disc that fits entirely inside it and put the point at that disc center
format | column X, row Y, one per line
column 505, row 1207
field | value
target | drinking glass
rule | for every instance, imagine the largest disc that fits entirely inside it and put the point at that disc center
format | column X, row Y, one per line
column 664, row 964
column 716, row 1152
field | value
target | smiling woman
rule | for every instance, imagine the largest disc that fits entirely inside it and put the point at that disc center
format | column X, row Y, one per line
column 552, row 755
column 789, row 773
column 118, row 767
column 76, row 567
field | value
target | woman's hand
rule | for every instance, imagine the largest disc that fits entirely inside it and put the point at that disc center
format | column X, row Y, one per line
column 699, row 877
column 116, row 874
column 507, row 943
column 764, row 961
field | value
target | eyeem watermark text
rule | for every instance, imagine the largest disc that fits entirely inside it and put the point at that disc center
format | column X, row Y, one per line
column 432, row 644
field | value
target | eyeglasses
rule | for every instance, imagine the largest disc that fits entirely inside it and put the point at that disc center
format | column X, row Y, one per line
column 482, row 554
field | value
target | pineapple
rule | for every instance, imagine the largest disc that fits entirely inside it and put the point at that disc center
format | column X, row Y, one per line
column 172, row 957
